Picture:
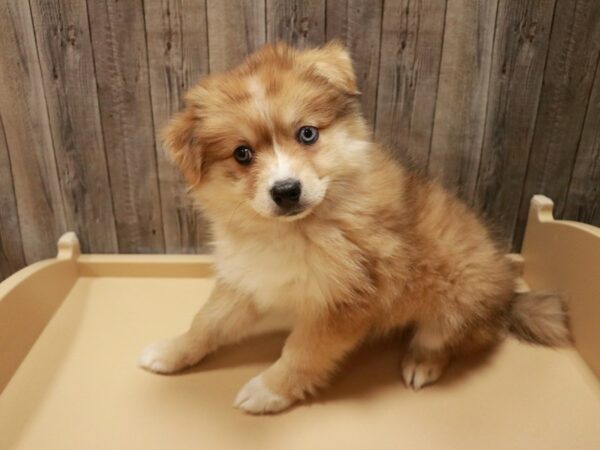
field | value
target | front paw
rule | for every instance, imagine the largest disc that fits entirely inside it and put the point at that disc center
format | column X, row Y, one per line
column 256, row 398
column 170, row 355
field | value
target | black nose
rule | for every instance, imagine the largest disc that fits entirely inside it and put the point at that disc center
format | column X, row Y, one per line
column 286, row 193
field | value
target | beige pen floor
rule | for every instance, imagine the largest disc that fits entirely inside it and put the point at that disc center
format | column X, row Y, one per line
column 79, row 388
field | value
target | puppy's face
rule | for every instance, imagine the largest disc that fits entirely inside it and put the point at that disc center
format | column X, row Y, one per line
column 272, row 135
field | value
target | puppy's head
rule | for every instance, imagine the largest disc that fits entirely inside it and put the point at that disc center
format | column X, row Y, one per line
column 273, row 135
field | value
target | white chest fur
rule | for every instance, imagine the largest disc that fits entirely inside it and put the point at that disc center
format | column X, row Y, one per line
column 287, row 270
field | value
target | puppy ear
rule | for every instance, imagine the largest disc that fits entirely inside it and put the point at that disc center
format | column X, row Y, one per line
column 333, row 63
column 182, row 145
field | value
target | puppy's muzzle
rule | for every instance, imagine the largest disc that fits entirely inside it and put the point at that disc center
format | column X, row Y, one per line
column 286, row 194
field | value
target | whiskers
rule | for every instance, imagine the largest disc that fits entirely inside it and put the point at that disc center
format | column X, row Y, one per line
column 228, row 224
column 253, row 215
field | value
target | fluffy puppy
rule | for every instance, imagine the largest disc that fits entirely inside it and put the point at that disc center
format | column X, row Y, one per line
column 312, row 218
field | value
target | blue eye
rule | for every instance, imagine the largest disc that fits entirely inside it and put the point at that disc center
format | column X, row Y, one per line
column 308, row 135
column 243, row 155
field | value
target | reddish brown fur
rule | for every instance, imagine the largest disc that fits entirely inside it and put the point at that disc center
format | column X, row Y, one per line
column 380, row 249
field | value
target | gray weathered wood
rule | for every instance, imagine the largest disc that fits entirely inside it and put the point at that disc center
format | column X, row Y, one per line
column 499, row 99
column 358, row 25
column 25, row 119
column 178, row 56
column 519, row 57
column 572, row 59
column 64, row 48
column 583, row 198
column 411, row 48
column 120, row 56
column 462, row 94
column 297, row 22
column 11, row 243
column 236, row 28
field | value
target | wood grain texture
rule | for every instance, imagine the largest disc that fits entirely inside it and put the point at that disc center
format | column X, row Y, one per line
column 236, row 28
column 583, row 197
column 572, row 60
column 11, row 243
column 411, row 48
column 297, row 22
column 119, row 45
column 25, row 119
column 65, row 52
column 178, row 56
column 499, row 99
column 519, row 58
column 358, row 25
column 462, row 94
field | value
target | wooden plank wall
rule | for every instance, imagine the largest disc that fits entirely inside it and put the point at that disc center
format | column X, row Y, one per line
column 498, row 99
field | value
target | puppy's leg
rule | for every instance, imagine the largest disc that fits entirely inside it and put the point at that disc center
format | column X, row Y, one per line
column 427, row 356
column 309, row 357
column 226, row 317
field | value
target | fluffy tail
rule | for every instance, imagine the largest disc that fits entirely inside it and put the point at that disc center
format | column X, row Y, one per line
column 541, row 318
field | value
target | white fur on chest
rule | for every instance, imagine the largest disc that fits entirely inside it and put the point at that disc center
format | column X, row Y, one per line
column 287, row 270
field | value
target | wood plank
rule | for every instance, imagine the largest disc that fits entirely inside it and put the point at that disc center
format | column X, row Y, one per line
column 11, row 243
column 358, row 25
column 120, row 57
column 236, row 28
column 298, row 22
column 572, row 59
column 462, row 94
column 25, row 118
column 519, row 57
column 65, row 53
column 583, row 198
column 411, row 48
column 178, row 56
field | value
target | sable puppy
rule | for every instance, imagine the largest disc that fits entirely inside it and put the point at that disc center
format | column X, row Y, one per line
column 312, row 218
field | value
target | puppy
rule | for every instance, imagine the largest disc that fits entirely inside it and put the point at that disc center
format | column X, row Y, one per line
column 313, row 219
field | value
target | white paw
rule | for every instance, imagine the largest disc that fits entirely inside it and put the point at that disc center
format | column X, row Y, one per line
column 170, row 355
column 256, row 398
column 419, row 374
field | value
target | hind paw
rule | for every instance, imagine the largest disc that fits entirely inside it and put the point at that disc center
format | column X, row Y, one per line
column 420, row 373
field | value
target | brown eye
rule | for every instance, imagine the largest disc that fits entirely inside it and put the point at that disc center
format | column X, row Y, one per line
column 243, row 155
column 308, row 135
